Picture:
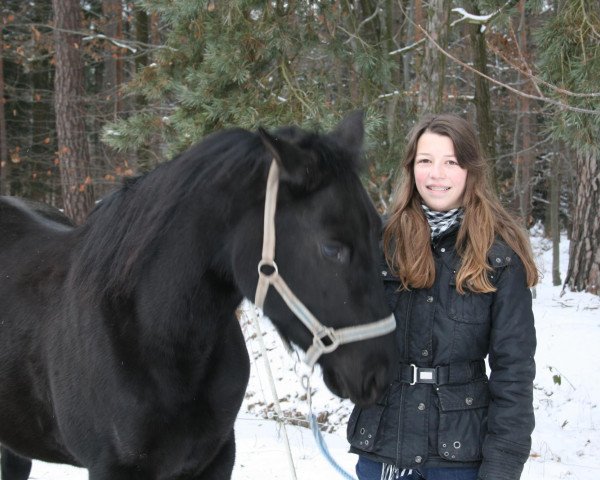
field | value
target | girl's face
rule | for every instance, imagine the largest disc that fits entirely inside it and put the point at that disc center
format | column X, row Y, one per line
column 439, row 179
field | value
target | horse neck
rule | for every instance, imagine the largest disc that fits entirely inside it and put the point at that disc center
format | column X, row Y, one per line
column 169, row 261
column 196, row 251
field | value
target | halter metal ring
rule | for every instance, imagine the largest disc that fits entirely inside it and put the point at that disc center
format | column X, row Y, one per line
column 267, row 263
column 332, row 338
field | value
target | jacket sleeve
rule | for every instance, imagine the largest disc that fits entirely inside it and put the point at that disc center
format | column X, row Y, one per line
column 511, row 357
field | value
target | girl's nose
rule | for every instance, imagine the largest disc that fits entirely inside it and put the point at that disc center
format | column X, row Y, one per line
column 437, row 170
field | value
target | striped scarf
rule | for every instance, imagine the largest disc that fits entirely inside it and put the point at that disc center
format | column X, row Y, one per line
column 440, row 222
column 391, row 472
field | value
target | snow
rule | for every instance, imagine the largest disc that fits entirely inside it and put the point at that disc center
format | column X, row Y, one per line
column 566, row 440
column 474, row 18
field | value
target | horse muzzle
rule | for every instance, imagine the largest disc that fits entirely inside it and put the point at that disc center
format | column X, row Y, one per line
column 356, row 374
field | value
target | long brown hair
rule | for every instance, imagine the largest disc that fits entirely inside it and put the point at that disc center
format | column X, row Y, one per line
column 406, row 234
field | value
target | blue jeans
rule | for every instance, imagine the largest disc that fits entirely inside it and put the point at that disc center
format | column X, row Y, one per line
column 369, row 470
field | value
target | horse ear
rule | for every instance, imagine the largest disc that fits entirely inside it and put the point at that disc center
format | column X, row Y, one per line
column 290, row 158
column 350, row 132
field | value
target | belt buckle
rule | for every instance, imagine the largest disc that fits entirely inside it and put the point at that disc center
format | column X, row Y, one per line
column 423, row 375
column 414, row 373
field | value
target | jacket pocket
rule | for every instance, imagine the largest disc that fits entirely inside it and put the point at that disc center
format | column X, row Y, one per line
column 462, row 427
column 363, row 426
column 470, row 307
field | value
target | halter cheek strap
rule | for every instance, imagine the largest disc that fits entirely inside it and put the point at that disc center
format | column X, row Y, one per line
column 325, row 339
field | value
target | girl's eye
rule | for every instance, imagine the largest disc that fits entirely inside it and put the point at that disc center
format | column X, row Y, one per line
column 452, row 162
column 335, row 251
column 422, row 160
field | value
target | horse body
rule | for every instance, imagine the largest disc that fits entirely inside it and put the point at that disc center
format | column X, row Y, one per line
column 138, row 393
column 120, row 350
column 146, row 382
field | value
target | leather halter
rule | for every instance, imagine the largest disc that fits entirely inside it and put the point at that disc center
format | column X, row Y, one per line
column 269, row 275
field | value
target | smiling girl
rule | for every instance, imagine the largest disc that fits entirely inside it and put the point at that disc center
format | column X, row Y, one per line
column 457, row 270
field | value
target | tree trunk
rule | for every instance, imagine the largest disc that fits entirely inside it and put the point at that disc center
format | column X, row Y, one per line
column 43, row 138
column 433, row 69
column 584, row 252
column 73, row 151
column 407, row 58
column 143, row 160
column 142, row 35
column 482, row 94
column 418, row 18
column 525, row 162
column 393, row 29
column 113, row 64
column 526, row 157
column 4, row 187
column 554, row 218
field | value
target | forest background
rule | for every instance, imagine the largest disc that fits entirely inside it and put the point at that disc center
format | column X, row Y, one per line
column 94, row 91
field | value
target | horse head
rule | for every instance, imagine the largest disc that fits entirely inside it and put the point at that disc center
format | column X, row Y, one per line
column 326, row 237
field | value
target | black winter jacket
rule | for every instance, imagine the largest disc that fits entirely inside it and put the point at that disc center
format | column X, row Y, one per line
column 463, row 419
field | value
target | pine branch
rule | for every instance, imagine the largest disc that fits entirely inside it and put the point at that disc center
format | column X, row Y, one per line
column 295, row 91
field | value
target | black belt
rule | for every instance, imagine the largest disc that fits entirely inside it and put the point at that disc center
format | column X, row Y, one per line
column 442, row 374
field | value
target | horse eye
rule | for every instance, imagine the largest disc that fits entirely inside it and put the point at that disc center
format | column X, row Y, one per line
column 334, row 251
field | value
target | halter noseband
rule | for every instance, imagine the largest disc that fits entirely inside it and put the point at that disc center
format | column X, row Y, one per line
column 269, row 275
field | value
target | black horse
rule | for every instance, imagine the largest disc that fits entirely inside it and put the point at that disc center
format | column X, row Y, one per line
column 120, row 351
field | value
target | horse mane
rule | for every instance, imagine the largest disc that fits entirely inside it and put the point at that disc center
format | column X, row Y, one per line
column 124, row 230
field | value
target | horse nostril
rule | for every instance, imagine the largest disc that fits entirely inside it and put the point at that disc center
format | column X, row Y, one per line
column 370, row 387
column 374, row 384
column 334, row 382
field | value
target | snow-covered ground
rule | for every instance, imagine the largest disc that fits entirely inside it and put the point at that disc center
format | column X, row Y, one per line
column 566, row 441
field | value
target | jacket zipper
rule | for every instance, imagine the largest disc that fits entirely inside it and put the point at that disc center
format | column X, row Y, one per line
column 400, row 437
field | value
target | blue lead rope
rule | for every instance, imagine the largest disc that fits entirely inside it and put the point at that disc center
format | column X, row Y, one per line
column 314, row 426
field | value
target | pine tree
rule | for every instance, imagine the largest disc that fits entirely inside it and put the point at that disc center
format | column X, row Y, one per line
column 570, row 59
column 248, row 63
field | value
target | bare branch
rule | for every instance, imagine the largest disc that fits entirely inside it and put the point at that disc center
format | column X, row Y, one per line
column 131, row 45
column 537, row 81
column 527, row 72
column 368, row 19
column 408, row 48
column 119, row 43
column 504, row 85
column 481, row 19
column 468, row 17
